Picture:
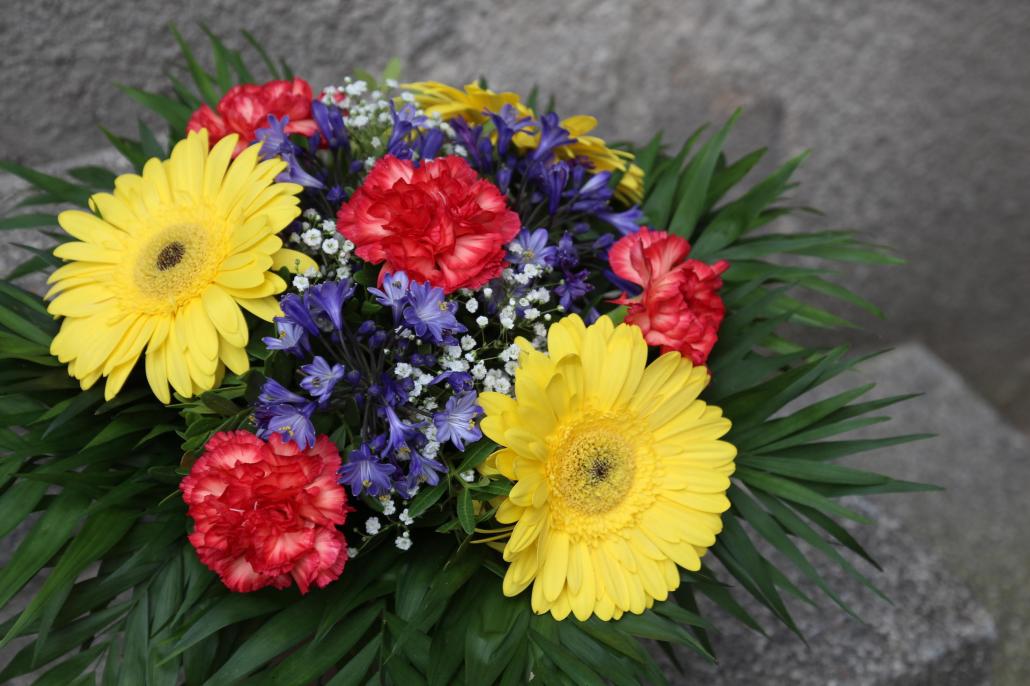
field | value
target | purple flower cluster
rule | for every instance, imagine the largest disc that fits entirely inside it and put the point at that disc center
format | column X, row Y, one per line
column 562, row 199
column 349, row 372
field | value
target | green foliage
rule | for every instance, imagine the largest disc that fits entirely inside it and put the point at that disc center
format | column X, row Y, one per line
column 95, row 482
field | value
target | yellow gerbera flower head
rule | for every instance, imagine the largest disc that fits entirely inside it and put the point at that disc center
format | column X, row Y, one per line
column 469, row 104
column 619, row 474
column 166, row 263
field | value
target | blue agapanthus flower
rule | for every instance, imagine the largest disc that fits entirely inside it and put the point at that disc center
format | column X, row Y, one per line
column 530, row 247
column 364, row 472
column 429, row 315
column 393, row 294
column 422, row 469
column 320, row 378
column 457, row 422
column 275, row 142
column 291, row 338
column 291, row 421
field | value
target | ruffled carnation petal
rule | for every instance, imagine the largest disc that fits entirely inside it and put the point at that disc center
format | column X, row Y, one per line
column 679, row 309
column 266, row 513
column 245, row 108
column 438, row 222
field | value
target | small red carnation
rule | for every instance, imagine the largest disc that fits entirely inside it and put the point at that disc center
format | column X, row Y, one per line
column 245, row 108
column 438, row 222
column 266, row 513
column 679, row 308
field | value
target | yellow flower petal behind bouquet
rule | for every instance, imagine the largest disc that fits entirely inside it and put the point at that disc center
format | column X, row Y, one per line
column 619, row 474
column 165, row 265
column 471, row 104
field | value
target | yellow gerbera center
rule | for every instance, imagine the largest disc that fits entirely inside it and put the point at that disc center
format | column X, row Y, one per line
column 591, row 466
column 174, row 266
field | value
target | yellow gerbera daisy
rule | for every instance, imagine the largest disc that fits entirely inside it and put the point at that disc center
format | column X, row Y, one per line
column 165, row 265
column 618, row 472
column 469, row 104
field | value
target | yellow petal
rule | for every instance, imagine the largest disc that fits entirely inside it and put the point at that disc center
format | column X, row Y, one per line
column 263, row 308
column 296, row 262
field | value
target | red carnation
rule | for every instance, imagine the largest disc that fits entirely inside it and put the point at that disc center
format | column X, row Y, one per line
column 245, row 108
column 266, row 513
column 679, row 308
column 438, row 222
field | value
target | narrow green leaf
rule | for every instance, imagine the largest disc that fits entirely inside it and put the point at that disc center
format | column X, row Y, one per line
column 62, row 642
column 174, row 112
column 576, row 669
column 48, row 536
column 833, row 450
column 807, row 470
column 741, row 558
column 661, row 185
column 98, row 534
column 693, row 185
column 98, row 178
column 795, row 492
column 278, row 634
column 273, row 70
column 28, row 221
column 392, row 70
column 132, row 668
column 466, row 514
column 18, row 502
column 66, row 672
column 771, row 431
column 648, row 155
column 317, row 657
column 769, row 529
column 149, row 144
column 128, row 148
column 200, row 77
column 615, row 668
column 65, row 191
column 739, row 217
column 728, row 177
column 231, row 609
column 353, row 673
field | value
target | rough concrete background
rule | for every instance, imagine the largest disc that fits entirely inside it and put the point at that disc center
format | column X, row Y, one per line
column 916, row 111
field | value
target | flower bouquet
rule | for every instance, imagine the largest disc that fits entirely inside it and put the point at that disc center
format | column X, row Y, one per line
column 400, row 382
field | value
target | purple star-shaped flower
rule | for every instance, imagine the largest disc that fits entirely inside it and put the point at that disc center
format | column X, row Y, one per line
column 429, row 315
column 457, row 422
column 320, row 378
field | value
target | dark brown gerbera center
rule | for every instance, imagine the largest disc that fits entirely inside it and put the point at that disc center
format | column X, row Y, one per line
column 170, row 255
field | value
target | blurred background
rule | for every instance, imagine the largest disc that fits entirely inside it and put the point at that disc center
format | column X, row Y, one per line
column 916, row 112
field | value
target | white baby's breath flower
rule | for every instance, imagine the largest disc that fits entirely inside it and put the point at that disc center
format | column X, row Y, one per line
column 301, row 283
column 312, row 237
column 372, row 526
